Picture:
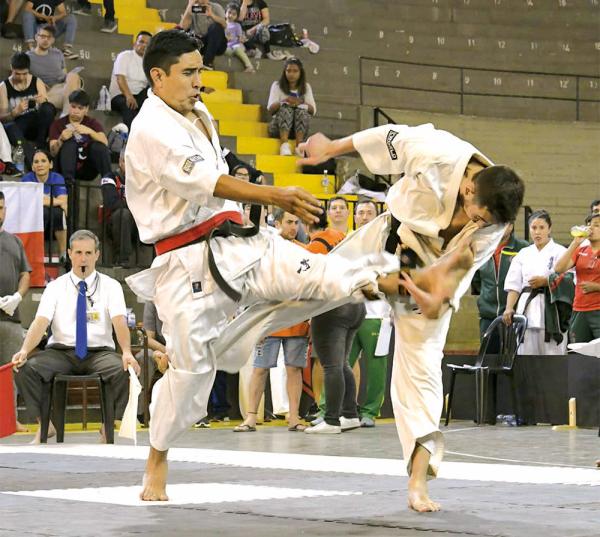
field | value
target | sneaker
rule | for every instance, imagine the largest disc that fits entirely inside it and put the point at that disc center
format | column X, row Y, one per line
column 208, row 67
column 324, row 428
column 11, row 170
column 10, row 30
column 366, row 421
column 84, row 9
column 316, row 421
column 276, row 55
column 109, row 27
column 249, row 69
column 285, row 150
column 202, row 424
column 69, row 54
column 347, row 424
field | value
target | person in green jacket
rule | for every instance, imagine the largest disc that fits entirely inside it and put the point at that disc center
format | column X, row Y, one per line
column 488, row 282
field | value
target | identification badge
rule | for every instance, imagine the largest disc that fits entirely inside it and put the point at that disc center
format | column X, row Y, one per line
column 196, row 287
column 190, row 162
column 93, row 316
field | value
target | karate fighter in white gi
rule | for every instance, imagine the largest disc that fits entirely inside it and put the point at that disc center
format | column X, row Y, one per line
column 451, row 197
column 179, row 192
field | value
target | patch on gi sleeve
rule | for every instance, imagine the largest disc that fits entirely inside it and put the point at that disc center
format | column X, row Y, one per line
column 190, row 162
column 388, row 141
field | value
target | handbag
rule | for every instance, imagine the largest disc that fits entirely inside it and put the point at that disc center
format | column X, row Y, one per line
column 282, row 35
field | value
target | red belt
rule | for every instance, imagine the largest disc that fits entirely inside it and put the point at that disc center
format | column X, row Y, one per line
column 196, row 233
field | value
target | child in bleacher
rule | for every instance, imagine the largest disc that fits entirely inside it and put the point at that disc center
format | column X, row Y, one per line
column 235, row 36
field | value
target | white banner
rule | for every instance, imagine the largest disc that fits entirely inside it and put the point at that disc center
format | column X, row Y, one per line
column 24, row 204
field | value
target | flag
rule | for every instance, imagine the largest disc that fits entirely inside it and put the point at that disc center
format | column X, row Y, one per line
column 24, row 204
column 8, row 417
column 129, row 422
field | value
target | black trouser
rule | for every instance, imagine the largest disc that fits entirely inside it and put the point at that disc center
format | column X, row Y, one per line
column 119, row 104
column 109, row 8
column 97, row 161
column 32, row 126
column 43, row 365
column 124, row 232
column 214, row 43
column 332, row 336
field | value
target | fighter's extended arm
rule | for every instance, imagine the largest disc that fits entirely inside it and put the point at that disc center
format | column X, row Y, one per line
column 319, row 148
column 294, row 200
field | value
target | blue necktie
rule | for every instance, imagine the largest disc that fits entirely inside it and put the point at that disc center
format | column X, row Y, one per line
column 81, row 326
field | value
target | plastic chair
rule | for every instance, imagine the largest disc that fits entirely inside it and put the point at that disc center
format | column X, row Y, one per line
column 58, row 388
column 487, row 364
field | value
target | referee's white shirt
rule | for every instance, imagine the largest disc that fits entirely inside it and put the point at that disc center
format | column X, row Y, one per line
column 59, row 305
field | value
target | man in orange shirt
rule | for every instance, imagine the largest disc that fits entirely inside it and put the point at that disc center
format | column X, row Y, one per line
column 295, row 343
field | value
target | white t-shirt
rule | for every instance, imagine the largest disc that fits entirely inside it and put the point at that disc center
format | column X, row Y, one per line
column 105, row 301
column 129, row 64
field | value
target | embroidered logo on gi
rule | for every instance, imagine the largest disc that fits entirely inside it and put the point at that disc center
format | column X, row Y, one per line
column 388, row 141
column 196, row 287
column 304, row 266
column 190, row 162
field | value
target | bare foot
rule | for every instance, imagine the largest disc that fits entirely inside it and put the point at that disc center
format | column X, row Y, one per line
column 38, row 435
column 155, row 478
column 22, row 428
column 418, row 497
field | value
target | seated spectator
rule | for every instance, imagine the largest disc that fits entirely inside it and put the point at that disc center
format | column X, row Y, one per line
column 128, row 83
column 24, row 107
column 235, row 37
column 122, row 226
column 78, row 142
column 54, row 13
column 585, row 322
column 595, row 207
column 337, row 212
column 207, row 21
column 526, row 283
column 110, row 24
column 254, row 18
column 82, row 307
column 6, row 164
column 56, row 198
column 48, row 63
column 291, row 103
column 10, row 29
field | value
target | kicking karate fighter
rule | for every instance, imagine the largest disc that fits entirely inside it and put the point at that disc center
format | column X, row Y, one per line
column 450, row 197
column 184, row 202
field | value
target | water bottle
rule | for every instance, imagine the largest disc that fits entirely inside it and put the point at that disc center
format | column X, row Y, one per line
column 501, row 419
column 104, row 100
column 325, row 183
column 19, row 157
column 511, row 420
column 130, row 318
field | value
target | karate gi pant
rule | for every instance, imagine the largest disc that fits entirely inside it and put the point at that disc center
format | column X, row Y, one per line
column 193, row 321
column 416, row 387
column 534, row 344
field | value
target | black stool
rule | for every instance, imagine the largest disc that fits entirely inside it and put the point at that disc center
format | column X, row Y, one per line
column 58, row 388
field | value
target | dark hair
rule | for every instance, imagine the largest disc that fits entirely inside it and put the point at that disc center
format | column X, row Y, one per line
column 47, row 28
column 143, row 32
column 500, row 190
column 165, row 48
column 45, row 151
column 234, row 7
column 593, row 204
column 363, row 202
column 283, row 81
column 20, row 60
column 590, row 217
column 322, row 223
column 335, row 198
column 79, row 97
column 542, row 214
column 1, row 195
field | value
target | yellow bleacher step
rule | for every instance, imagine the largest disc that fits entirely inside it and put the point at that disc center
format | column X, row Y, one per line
column 276, row 163
column 310, row 182
column 243, row 112
column 259, row 145
column 242, row 128
column 215, row 79
column 223, row 96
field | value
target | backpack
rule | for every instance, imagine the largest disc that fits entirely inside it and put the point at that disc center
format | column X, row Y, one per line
column 117, row 139
column 282, row 35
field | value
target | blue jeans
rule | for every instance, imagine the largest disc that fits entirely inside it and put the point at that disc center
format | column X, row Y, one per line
column 67, row 26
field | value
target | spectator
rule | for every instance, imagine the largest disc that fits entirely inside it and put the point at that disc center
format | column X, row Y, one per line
column 337, row 211
column 366, row 340
column 122, row 226
column 128, row 83
column 526, row 281
column 11, row 30
column 585, row 322
column 207, row 21
column 6, row 164
column 24, row 107
column 54, row 13
column 235, row 37
column 332, row 335
column 295, row 343
column 14, row 284
column 48, row 63
column 488, row 283
column 79, row 143
column 595, row 207
column 55, row 198
column 110, row 24
column 82, row 307
column 291, row 104
column 254, row 18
